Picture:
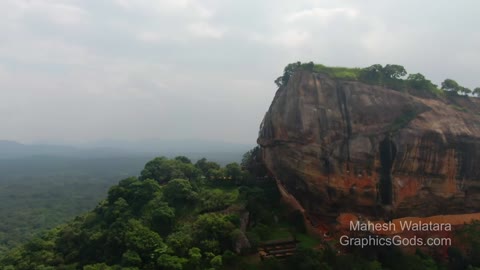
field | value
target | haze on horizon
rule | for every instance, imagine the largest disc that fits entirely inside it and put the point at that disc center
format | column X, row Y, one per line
column 85, row 70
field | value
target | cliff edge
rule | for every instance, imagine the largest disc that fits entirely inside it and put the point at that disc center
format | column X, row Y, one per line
column 347, row 146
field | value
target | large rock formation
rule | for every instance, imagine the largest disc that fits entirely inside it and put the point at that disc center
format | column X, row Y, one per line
column 345, row 146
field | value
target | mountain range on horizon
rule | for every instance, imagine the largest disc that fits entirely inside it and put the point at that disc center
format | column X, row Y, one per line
column 105, row 148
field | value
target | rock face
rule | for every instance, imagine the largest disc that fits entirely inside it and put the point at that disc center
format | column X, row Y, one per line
column 345, row 146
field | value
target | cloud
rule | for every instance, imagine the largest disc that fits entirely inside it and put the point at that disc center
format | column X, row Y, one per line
column 45, row 52
column 161, row 6
column 150, row 36
column 60, row 13
column 292, row 38
column 206, row 30
column 194, row 8
column 84, row 69
column 65, row 13
column 321, row 14
column 171, row 20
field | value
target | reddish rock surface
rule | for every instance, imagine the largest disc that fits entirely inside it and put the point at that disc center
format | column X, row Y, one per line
column 343, row 146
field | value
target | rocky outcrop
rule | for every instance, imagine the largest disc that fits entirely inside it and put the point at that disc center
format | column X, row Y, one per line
column 241, row 242
column 345, row 146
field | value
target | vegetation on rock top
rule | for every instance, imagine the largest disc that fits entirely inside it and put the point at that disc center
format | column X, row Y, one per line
column 390, row 76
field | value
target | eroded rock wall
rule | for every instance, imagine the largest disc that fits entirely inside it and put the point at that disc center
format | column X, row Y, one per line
column 343, row 146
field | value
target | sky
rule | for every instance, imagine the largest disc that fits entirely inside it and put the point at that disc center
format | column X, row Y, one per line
column 77, row 71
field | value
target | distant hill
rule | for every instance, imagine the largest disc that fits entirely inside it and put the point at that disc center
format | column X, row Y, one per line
column 171, row 146
column 11, row 149
column 195, row 149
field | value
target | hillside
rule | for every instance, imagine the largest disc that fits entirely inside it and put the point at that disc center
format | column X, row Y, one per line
column 174, row 215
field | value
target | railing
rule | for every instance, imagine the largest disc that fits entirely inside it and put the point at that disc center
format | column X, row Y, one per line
column 278, row 249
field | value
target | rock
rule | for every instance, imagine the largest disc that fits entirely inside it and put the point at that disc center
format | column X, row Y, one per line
column 346, row 146
column 241, row 241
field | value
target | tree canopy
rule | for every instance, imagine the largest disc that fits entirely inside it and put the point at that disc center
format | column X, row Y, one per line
column 163, row 170
column 450, row 85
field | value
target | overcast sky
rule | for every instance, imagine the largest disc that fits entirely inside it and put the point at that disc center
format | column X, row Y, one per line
column 83, row 70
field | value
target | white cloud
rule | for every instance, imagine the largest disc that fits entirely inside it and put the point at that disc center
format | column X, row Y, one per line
column 163, row 5
column 151, row 36
column 45, row 51
column 60, row 13
column 322, row 14
column 125, row 64
column 194, row 8
column 292, row 38
column 287, row 39
column 65, row 13
column 206, row 30
column 304, row 28
column 171, row 20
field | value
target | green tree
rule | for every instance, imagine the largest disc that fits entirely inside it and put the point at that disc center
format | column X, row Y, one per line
column 372, row 74
column 419, row 82
column 143, row 192
column 214, row 200
column 233, row 171
column 170, row 262
column 465, row 90
column 250, row 157
column 308, row 66
column 394, row 71
column 135, row 192
column 279, row 81
column 207, row 168
column 179, row 191
column 289, row 70
column 131, row 258
column 450, row 85
column 476, row 91
column 183, row 159
column 159, row 215
column 215, row 227
column 216, row 262
column 181, row 240
column 216, row 174
column 98, row 266
column 141, row 239
column 195, row 258
column 470, row 236
column 252, row 162
column 118, row 209
column 163, row 170
column 417, row 77
column 121, row 190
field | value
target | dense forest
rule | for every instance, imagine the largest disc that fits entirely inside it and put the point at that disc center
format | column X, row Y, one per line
column 182, row 215
column 39, row 193
column 43, row 191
